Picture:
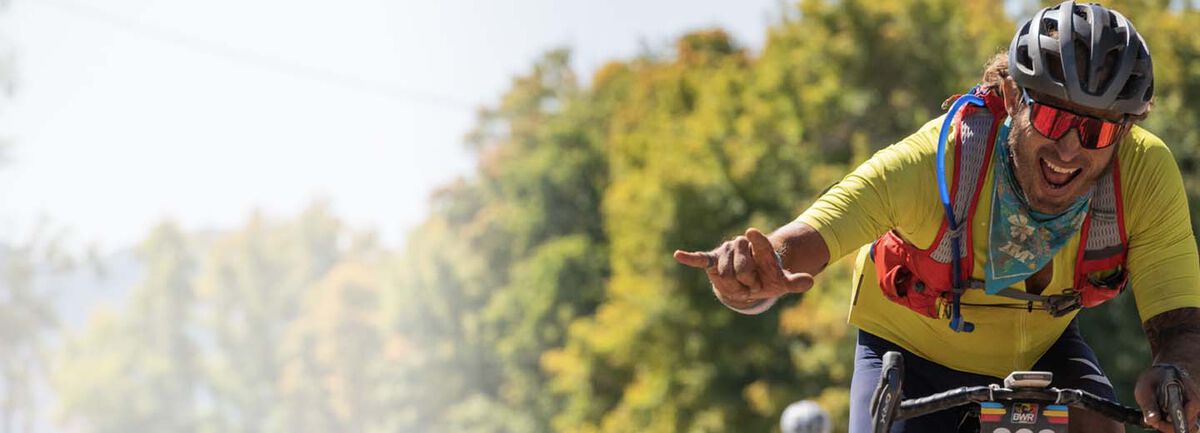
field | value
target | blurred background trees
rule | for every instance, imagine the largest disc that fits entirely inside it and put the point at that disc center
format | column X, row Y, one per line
column 540, row 294
column 27, row 322
column 28, row 319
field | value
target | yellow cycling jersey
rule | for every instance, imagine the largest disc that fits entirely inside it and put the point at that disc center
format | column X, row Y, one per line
column 897, row 189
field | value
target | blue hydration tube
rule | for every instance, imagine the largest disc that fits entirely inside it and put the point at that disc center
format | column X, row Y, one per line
column 956, row 319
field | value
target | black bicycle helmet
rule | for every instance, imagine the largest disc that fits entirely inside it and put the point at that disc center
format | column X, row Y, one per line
column 1118, row 74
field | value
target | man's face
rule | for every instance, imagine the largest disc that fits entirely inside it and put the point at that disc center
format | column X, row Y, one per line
column 1053, row 173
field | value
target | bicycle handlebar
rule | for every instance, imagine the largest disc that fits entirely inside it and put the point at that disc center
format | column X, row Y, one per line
column 887, row 405
column 1173, row 394
column 977, row 394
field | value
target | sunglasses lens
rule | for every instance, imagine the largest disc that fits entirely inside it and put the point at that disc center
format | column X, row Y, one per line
column 1050, row 122
column 1054, row 123
column 1063, row 124
column 1098, row 134
column 1089, row 134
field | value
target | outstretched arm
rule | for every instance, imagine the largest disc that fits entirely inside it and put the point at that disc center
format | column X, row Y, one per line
column 857, row 210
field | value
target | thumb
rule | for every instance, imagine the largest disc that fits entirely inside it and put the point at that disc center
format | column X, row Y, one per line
column 697, row 260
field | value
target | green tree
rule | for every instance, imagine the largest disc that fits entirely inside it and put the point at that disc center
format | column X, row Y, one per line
column 27, row 317
column 333, row 354
column 506, row 261
column 251, row 283
column 135, row 369
column 660, row 354
column 27, row 322
column 223, row 331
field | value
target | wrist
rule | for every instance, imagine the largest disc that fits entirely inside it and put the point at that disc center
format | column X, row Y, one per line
column 1176, row 369
column 1182, row 360
column 740, row 305
column 749, row 307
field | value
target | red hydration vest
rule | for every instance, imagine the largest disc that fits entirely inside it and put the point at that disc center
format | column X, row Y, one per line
column 924, row 279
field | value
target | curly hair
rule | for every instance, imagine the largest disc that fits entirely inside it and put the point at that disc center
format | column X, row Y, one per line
column 995, row 71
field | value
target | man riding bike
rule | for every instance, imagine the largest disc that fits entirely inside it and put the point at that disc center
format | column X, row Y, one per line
column 981, row 235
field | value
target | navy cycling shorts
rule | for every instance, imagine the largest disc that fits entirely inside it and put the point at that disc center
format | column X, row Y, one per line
column 1070, row 359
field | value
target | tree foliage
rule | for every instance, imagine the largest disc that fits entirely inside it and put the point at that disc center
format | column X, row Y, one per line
column 27, row 322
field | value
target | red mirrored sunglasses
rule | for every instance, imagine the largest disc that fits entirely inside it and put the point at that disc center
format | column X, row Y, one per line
column 1054, row 123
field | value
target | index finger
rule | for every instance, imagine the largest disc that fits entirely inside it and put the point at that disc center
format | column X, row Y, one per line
column 698, row 260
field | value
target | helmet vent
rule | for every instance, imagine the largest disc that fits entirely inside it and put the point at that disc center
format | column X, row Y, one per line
column 1055, row 69
column 1080, row 11
column 1023, row 56
column 1105, row 74
column 1049, row 26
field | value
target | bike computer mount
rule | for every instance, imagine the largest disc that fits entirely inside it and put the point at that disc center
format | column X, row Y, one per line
column 1016, row 416
column 1028, row 379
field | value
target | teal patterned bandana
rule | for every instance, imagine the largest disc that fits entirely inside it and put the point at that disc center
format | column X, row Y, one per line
column 1021, row 240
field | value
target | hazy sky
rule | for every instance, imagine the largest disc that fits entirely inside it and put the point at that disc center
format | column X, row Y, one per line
column 131, row 111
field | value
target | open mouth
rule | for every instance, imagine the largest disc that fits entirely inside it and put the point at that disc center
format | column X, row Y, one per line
column 1056, row 176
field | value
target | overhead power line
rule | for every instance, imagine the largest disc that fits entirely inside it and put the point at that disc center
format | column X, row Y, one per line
column 261, row 61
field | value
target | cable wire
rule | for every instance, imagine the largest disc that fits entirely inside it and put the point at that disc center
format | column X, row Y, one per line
column 261, row 61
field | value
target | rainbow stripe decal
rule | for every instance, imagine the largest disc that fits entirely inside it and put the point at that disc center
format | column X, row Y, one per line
column 992, row 412
column 1056, row 414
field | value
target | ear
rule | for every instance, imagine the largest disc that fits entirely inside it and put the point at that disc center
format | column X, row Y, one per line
column 1012, row 95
